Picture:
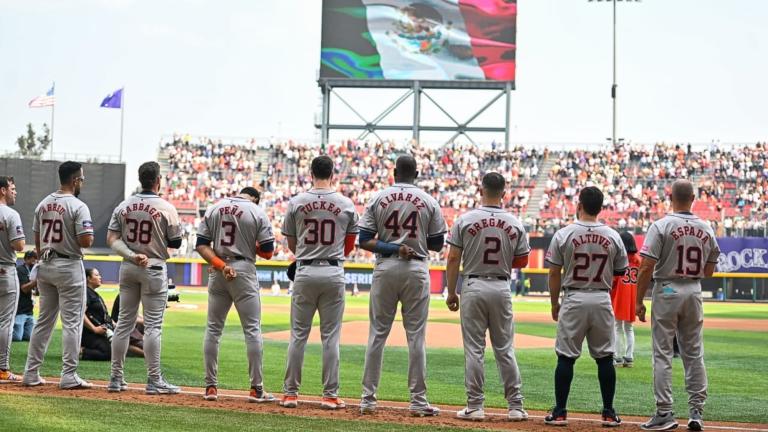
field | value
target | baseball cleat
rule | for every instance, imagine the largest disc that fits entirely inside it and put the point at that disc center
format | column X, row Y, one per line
column 618, row 362
column 660, row 422
column 211, row 393
column 367, row 409
column 332, row 403
column 258, row 395
column 695, row 423
column 557, row 418
column 610, row 419
column 289, row 401
column 117, row 385
column 76, row 383
column 161, row 387
column 628, row 362
column 517, row 414
column 33, row 382
column 8, row 376
column 426, row 411
column 472, row 414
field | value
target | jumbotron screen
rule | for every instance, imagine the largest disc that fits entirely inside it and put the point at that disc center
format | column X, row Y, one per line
column 419, row 40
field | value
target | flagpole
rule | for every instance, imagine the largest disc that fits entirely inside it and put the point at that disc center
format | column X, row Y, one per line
column 122, row 110
column 53, row 108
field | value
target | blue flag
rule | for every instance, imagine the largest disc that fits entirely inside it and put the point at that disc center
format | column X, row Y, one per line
column 114, row 100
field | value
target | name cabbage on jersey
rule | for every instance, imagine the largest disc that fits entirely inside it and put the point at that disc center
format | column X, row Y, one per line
column 142, row 207
column 492, row 222
column 591, row 238
column 393, row 197
column 320, row 205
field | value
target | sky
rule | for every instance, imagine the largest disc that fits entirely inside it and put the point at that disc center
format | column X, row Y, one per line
column 688, row 71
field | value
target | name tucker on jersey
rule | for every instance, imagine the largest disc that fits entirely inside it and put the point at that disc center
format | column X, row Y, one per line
column 591, row 238
column 141, row 207
column 399, row 196
column 320, row 205
column 689, row 231
column 492, row 222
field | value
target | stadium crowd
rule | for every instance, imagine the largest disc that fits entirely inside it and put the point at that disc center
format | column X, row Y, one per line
column 732, row 182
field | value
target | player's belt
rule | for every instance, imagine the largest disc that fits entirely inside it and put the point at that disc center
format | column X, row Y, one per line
column 417, row 258
column 474, row 276
column 155, row 267
column 235, row 258
column 61, row 255
column 332, row 262
column 585, row 289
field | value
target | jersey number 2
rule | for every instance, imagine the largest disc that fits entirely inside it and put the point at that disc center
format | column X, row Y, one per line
column 496, row 242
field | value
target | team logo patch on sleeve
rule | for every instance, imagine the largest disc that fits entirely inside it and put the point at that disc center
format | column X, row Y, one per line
column 19, row 230
column 87, row 224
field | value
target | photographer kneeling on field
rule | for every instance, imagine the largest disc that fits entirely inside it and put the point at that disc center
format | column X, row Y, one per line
column 98, row 325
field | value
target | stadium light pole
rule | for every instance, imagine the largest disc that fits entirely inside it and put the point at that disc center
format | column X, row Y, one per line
column 614, row 85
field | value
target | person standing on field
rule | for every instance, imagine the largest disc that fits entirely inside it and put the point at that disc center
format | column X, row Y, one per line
column 623, row 296
column 679, row 251
column 11, row 241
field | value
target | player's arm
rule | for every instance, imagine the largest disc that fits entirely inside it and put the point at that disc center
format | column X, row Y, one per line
column 37, row 243
column 643, row 283
column 709, row 269
column 452, row 276
column 554, row 281
column 18, row 245
column 203, row 247
column 291, row 240
column 435, row 242
column 368, row 241
column 266, row 249
column 118, row 245
column 349, row 243
column 520, row 262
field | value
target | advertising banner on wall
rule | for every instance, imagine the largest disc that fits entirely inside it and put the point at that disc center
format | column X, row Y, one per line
column 743, row 255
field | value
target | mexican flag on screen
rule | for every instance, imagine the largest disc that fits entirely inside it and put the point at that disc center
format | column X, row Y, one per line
column 421, row 39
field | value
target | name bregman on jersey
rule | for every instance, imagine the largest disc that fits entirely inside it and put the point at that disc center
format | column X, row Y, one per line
column 320, row 205
column 484, row 223
column 399, row 196
column 689, row 231
column 153, row 212
column 591, row 238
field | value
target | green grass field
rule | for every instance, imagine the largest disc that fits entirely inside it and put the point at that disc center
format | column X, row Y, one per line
column 735, row 360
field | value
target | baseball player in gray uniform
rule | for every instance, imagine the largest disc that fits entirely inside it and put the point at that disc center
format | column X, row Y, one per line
column 679, row 250
column 232, row 233
column 62, row 226
column 401, row 225
column 320, row 226
column 583, row 258
column 141, row 230
column 489, row 242
column 11, row 241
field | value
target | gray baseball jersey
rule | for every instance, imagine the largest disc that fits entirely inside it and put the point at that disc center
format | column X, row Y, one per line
column 589, row 253
column 320, row 219
column 235, row 227
column 60, row 219
column 146, row 223
column 10, row 231
column 404, row 214
column 490, row 239
column 682, row 244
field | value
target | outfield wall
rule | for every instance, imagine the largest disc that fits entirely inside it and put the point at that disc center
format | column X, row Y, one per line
column 194, row 272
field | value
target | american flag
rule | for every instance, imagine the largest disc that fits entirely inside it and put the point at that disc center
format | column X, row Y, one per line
column 46, row 100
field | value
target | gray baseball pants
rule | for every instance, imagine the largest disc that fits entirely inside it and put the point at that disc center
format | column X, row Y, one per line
column 61, row 283
column 243, row 291
column 406, row 282
column 677, row 308
column 486, row 304
column 320, row 288
column 148, row 287
column 9, row 299
column 585, row 313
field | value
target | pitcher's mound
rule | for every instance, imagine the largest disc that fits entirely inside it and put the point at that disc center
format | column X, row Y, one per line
column 439, row 335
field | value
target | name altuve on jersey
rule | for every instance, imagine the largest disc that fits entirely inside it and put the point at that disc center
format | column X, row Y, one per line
column 591, row 238
column 142, row 207
column 393, row 197
column 484, row 223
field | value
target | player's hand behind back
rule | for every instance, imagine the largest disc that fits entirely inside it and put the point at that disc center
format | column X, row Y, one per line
column 140, row 260
column 229, row 273
column 406, row 252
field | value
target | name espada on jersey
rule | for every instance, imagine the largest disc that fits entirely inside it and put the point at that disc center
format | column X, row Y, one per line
column 146, row 224
column 404, row 214
column 320, row 219
column 589, row 253
column 235, row 226
column 680, row 243
column 490, row 239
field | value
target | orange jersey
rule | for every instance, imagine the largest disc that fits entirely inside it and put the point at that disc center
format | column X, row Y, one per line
column 624, row 292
